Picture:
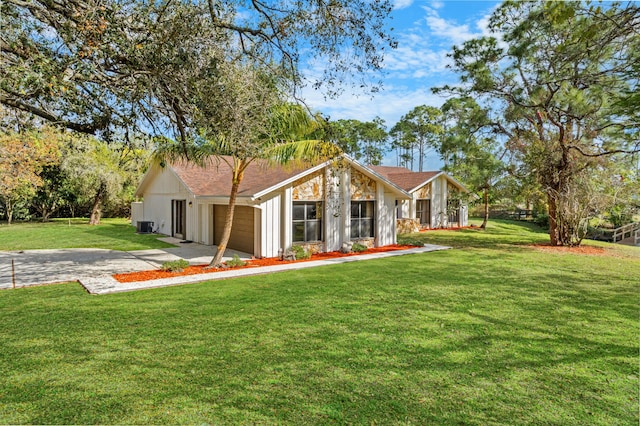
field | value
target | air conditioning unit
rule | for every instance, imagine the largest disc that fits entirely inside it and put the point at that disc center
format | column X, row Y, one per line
column 144, row 227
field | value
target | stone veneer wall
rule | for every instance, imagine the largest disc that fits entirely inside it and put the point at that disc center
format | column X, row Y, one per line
column 367, row 242
column 452, row 190
column 309, row 188
column 316, row 247
column 407, row 226
column 424, row 192
column 362, row 186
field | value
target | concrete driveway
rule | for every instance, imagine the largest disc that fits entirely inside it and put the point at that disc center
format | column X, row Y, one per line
column 36, row 267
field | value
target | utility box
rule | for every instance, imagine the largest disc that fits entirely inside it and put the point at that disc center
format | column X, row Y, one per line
column 144, row 227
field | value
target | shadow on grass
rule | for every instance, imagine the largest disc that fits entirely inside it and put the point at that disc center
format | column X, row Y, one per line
column 498, row 233
column 496, row 334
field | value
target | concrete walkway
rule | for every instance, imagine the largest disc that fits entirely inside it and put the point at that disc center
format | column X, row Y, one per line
column 37, row 267
column 107, row 284
column 93, row 268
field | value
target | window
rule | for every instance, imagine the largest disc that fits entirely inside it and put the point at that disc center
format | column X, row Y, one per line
column 423, row 211
column 453, row 208
column 362, row 215
column 307, row 221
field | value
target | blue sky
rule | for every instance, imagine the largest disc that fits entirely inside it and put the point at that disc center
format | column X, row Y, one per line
column 425, row 31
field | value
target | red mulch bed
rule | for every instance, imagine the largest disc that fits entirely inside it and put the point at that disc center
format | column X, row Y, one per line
column 588, row 250
column 270, row 261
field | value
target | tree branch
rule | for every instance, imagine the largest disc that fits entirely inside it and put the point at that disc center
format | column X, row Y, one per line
column 602, row 154
column 91, row 129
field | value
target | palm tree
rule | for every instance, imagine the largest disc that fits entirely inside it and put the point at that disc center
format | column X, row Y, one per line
column 290, row 135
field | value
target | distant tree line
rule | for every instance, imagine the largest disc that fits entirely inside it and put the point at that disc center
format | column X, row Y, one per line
column 47, row 173
column 546, row 111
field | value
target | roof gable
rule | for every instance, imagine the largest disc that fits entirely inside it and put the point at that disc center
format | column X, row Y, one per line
column 215, row 179
column 260, row 177
column 412, row 181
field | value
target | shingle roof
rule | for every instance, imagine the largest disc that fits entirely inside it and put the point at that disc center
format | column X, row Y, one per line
column 403, row 177
column 215, row 179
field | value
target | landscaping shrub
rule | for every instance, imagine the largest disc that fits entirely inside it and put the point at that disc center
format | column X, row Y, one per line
column 300, row 252
column 358, row 248
column 175, row 265
column 236, row 262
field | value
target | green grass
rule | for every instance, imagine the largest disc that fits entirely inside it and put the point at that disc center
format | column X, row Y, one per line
column 113, row 234
column 493, row 332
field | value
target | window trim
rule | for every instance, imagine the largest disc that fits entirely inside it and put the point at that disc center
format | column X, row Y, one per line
column 361, row 218
column 319, row 205
column 420, row 202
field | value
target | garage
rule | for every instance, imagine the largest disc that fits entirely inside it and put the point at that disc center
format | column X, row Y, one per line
column 242, row 232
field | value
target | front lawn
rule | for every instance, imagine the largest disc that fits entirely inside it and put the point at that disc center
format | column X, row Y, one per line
column 113, row 234
column 492, row 332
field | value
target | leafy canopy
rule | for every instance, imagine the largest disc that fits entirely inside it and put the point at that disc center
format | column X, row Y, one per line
column 111, row 68
column 559, row 80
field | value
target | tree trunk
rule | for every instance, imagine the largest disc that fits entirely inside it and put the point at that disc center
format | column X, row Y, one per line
column 8, row 206
column 96, row 208
column 47, row 212
column 47, row 215
column 554, row 236
column 485, row 198
column 228, row 223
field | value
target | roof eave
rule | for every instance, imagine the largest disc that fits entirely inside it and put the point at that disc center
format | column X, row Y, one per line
column 144, row 181
column 157, row 169
column 287, row 181
column 366, row 170
column 426, row 182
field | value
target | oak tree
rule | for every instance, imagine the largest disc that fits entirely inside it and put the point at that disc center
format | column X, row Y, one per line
column 99, row 66
column 561, row 82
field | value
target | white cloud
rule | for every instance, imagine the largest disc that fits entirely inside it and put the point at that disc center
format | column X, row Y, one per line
column 483, row 25
column 418, row 64
column 402, row 4
column 389, row 104
column 450, row 31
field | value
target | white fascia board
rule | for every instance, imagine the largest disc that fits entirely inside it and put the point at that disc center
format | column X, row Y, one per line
column 292, row 179
column 448, row 177
column 157, row 169
column 372, row 174
column 182, row 182
column 240, row 201
column 426, row 182
column 144, row 181
column 457, row 183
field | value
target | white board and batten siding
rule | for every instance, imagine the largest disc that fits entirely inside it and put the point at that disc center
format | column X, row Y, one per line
column 439, row 202
column 268, row 226
column 386, row 217
column 157, row 203
column 205, row 223
column 335, row 181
